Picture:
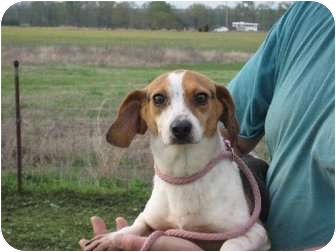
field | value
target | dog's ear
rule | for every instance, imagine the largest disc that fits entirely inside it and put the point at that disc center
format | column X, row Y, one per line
column 228, row 114
column 129, row 121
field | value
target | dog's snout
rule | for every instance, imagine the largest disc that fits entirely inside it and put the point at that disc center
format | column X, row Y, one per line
column 181, row 129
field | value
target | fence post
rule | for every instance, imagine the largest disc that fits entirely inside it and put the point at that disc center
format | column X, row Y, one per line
column 18, row 126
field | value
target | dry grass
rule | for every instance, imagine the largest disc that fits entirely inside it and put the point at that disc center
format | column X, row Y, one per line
column 118, row 56
column 78, row 147
column 73, row 146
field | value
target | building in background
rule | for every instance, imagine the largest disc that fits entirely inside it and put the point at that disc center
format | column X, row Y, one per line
column 244, row 26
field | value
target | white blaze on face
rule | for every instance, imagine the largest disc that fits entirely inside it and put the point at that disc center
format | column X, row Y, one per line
column 177, row 109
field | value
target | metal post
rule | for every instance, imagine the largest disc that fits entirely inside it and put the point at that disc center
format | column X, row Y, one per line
column 18, row 126
column 227, row 17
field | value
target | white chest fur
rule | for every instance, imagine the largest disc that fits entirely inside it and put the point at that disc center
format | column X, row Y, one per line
column 213, row 203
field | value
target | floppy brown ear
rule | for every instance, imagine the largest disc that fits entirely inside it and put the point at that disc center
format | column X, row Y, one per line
column 228, row 114
column 129, row 121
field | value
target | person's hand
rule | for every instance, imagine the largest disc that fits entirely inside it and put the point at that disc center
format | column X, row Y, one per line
column 132, row 242
column 110, row 241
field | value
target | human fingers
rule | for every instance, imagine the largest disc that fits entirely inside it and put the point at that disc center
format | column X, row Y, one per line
column 105, row 242
column 82, row 243
column 98, row 225
column 121, row 223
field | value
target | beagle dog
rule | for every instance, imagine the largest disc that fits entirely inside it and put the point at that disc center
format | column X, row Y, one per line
column 182, row 111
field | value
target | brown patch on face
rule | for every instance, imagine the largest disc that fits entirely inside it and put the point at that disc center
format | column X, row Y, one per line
column 137, row 112
column 209, row 113
column 150, row 111
column 219, row 106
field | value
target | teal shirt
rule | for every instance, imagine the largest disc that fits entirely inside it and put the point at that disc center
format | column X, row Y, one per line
column 286, row 92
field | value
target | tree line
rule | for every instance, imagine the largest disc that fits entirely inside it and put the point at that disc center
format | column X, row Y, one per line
column 151, row 15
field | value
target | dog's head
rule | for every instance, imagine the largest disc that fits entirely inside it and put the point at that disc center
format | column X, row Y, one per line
column 180, row 107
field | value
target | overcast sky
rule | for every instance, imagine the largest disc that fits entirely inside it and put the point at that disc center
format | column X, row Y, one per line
column 212, row 4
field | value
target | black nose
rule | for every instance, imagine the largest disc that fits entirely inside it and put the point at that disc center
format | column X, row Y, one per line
column 181, row 129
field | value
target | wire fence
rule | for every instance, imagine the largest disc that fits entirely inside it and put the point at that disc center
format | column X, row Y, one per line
column 70, row 142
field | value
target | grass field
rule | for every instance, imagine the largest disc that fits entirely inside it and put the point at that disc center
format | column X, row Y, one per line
column 125, row 47
column 72, row 81
column 53, row 214
column 65, row 87
column 37, row 37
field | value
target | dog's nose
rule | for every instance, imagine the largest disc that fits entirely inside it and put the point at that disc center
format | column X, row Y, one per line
column 181, row 129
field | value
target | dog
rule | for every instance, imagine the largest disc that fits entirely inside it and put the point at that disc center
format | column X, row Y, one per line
column 183, row 111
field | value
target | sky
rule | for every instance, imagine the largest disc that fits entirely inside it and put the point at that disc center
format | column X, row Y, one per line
column 212, row 4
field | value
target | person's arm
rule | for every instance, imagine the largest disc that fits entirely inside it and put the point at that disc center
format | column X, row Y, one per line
column 252, row 90
column 245, row 146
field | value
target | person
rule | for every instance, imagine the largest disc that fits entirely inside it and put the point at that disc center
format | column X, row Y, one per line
column 285, row 93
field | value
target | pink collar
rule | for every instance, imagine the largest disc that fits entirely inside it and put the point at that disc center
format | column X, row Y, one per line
column 240, row 230
column 226, row 154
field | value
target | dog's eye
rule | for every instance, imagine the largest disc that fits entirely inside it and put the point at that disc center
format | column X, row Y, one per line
column 201, row 98
column 159, row 99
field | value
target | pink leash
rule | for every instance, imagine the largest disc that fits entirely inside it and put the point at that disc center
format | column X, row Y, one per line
column 228, row 153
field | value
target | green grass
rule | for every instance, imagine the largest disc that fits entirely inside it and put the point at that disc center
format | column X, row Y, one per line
column 37, row 37
column 79, row 90
column 53, row 213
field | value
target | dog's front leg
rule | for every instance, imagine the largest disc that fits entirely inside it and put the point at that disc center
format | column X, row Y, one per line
column 254, row 239
column 139, row 227
column 113, row 240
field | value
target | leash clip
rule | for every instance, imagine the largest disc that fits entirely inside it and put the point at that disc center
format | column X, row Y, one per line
column 228, row 145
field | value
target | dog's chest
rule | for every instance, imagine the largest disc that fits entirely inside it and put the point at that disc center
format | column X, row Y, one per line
column 214, row 203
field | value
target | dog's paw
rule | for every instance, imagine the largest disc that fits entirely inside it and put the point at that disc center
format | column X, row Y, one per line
column 109, row 241
column 242, row 243
column 231, row 245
